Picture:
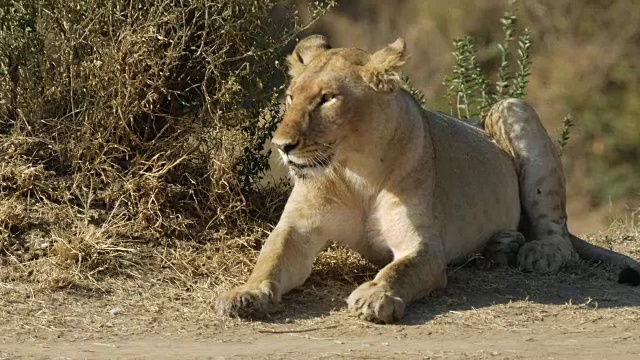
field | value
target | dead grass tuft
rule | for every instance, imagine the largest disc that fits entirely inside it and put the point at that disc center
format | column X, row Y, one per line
column 133, row 136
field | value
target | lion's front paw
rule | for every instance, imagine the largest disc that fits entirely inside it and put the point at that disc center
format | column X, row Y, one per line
column 249, row 300
column 545, row 256
column 373, row 302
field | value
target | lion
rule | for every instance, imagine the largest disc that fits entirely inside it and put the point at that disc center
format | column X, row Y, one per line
column 411, row 190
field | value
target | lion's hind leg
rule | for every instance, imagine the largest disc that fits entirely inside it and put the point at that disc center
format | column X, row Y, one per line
column 516, row 128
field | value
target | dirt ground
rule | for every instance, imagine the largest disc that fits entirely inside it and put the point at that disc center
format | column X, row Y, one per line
column 581, row 313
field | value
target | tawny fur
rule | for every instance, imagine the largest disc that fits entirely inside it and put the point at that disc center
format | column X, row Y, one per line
column 409, row 189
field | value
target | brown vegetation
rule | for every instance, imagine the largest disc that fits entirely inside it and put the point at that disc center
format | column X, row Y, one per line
column 130, row 125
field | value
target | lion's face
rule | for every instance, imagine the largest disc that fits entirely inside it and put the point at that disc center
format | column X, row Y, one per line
column 328, row 102
column 322, row 109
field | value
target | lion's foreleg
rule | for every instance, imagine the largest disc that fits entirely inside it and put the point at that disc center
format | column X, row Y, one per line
column 309, row 221
column 405, row 279
column 284, row 263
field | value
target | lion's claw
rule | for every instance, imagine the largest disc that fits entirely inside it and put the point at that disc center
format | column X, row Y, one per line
column 372, row 302
column 249, row 301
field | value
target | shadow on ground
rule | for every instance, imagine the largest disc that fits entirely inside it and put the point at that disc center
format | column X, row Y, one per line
column 470, row 288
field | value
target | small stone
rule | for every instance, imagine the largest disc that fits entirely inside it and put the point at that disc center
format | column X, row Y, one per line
column 115, row 310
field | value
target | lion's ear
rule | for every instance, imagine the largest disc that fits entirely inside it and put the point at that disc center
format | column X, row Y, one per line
column 383, row 70
column 307, row 49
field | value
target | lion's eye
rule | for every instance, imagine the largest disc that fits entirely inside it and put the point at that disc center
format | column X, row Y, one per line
column 326, row 97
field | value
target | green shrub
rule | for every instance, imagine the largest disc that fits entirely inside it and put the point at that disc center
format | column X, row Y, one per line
column 611, row 140
column 470, row 91
column 609, row 127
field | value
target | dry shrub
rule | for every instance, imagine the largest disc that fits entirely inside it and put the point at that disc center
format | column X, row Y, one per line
column 13, row 216
column 126, row 123
column 87, row 248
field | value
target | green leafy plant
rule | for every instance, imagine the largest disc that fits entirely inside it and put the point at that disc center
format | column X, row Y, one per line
column 565, row 131
column 469, row 90
column 413, row 90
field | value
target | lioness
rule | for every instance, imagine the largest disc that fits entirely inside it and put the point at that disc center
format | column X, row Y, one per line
column 409, row 189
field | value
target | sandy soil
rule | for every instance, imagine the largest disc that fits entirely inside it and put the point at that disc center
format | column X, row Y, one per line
column 580, row 313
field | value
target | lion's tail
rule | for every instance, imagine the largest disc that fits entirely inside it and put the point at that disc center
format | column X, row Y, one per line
column 630, row 268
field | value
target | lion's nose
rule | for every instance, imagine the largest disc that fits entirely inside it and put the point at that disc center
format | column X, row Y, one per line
column 287, row 145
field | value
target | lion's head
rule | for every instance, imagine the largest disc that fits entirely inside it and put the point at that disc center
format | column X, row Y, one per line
column 330, row 101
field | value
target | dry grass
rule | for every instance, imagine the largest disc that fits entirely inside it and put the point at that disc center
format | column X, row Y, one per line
column 133, row 137
column 179, row 296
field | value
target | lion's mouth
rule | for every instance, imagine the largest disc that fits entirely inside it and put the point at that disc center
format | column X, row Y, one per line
column 303, row 167
column 315, row 163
